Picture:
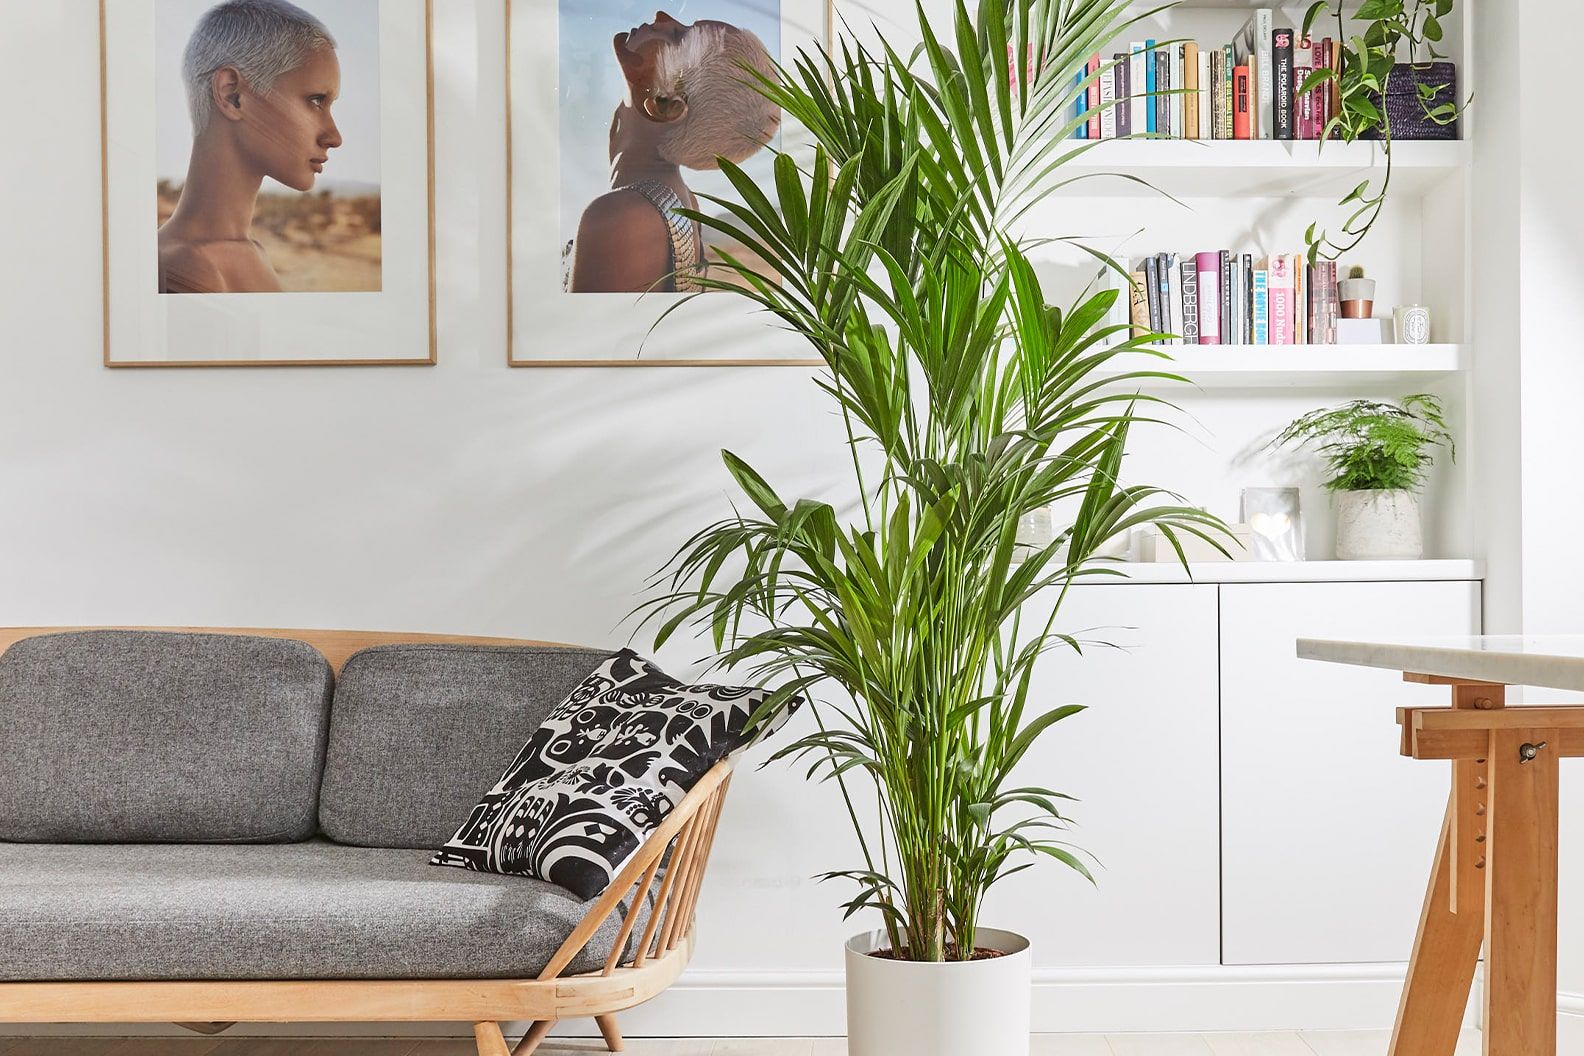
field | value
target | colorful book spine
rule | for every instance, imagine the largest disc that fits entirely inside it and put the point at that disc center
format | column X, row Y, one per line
column 1248, row 298
column 1242, row 119
column 1304, row 105
column 1163, row 285
column 1228, row 91
column 1333, row 87
column 1190, row 97
column 1204, row 96
column 1282, row 90
column 1080, row 105
column 1152, row 291
column 1108, row 109
column 1175, row 101
column 1300, row 300
column 1261, row 307
column 1188, row 282
column 1093, row 91
column 1330, row 303
column 1151, row 112
column 1124, row 94
column 1279, row 286
column 1207, row 267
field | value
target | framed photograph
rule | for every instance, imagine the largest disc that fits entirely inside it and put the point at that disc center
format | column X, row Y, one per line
column 616, row 116
column 268, row 175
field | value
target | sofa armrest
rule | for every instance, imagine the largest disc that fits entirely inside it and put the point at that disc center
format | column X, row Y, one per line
column 688, row 833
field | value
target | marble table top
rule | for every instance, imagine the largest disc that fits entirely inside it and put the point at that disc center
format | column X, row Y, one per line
column 1553, row 661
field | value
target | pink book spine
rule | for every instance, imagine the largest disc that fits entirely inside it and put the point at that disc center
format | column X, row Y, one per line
column 1208, row 265
column 1304, row 104
column 1280, row 289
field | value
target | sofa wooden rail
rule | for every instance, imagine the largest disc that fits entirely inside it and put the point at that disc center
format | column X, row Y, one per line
column 667, row 874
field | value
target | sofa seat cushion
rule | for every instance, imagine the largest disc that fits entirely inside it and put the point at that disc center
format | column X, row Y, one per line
column 313, row 910
column 420, row 731
column 160, row 736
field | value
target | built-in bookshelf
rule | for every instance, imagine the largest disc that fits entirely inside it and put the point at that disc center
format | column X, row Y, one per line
column 1191, row 196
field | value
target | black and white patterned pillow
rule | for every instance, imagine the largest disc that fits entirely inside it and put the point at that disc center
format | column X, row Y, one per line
column 605, row 768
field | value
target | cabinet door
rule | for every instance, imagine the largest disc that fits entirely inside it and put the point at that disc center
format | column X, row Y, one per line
column 1328, row 833
column 1142, row 761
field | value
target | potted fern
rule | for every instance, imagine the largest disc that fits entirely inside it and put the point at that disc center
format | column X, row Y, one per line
column 969, row 402
column 1377, row 454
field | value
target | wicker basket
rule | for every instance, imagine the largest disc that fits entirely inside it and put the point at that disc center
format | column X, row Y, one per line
column 1408, row 120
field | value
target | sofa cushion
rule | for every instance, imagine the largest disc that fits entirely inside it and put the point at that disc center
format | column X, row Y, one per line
column 419, row 732
column 607, row 766
column 313, row 910
column 157, row 736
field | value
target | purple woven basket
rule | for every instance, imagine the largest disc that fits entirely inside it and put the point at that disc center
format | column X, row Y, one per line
column 1408, row 120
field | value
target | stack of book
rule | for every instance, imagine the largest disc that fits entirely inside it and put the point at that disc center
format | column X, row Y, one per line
column 1223, row 297
column 1248, row 89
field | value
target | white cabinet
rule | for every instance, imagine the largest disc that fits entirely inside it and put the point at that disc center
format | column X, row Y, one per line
column 1141, row 760
column 1328, row 833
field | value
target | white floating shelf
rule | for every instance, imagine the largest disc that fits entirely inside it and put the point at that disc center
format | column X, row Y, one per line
column 1290, row 572
column 1188, row 168
column 1299, row 366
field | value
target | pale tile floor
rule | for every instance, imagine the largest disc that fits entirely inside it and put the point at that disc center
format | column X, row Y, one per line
column 1306, row 1043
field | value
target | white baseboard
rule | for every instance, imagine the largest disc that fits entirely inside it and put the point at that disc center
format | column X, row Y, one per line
column 1570, row 1022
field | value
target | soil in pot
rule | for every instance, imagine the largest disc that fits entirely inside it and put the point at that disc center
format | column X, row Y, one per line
column 980, row 953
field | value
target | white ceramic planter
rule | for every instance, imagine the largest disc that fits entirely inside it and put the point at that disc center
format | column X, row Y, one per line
column 905, row 1008
column 1378, row 526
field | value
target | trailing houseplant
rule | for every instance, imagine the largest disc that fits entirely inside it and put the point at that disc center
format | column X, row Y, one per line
column 1376, row 454
column 968, row 401
column 1386, row 33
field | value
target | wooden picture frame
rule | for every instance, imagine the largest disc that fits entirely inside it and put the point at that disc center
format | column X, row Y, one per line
column 611, row 329
column 322, row 316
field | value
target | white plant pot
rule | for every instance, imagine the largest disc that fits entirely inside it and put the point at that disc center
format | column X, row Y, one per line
column 1378, row 526
column 908, row 1008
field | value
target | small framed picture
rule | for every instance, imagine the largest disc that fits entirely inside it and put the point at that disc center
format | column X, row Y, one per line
column 617, row 116
column 1275, row 524
column 268, row 182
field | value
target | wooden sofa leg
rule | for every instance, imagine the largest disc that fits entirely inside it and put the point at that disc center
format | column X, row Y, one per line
column 490, row 1040
column 530, row 1041
column 608, row 1027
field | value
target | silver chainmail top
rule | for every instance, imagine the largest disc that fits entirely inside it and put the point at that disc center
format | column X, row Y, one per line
column 687, row 247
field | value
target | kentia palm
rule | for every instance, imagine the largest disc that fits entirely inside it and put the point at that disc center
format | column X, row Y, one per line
column 968, row 402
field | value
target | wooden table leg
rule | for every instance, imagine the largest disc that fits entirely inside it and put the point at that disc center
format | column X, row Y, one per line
column 1447, row 946
column 1521, row 897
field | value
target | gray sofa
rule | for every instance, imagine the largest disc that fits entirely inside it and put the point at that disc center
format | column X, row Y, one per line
column 189, row 807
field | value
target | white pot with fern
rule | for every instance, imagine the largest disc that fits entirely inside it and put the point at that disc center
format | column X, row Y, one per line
column 1376, row 455
column 969, row 402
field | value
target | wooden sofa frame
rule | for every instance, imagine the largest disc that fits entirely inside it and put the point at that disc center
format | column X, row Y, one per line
column 661, row 952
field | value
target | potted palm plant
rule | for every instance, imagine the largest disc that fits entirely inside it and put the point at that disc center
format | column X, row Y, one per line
column 1377, row 454
column 969, row 402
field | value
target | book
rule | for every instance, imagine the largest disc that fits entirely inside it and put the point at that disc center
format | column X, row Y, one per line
column 1190, row 83
column 1254, row 45
column 1138, row 299
column 1108, row 109
column 1208, row 287
column 1123, row 90
column 1150, row 111
column 1279, row 287
column 1152, row 292
column 1215, row 95
column 1138, row 101
column 1224, row 266
column 1242, row 120
column 1330, row 304
column 1093, row 91
column 1174, row 300
column 1332, row 89
column 1188, row 283
column 1300, row 300
column 1081, row 104
column 1228, row 91
column 1282, row 90
column 1247, row 305
column 1203, row 98
column 1163, row 285
column 1176, row 100
column 1303, row 105
column 1162, row 99
column 1261, row 306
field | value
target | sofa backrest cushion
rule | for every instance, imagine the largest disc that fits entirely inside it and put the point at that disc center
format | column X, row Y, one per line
column 161, row 737
column 418, row 733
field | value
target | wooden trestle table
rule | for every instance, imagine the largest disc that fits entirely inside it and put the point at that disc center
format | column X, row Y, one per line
column 1494, row 881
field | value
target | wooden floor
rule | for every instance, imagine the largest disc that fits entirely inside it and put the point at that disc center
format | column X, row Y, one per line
column 1308, row 1043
